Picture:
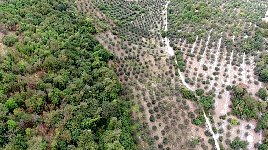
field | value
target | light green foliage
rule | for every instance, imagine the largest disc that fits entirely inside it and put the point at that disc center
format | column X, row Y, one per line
column 11, row 124
column 28, row 131
column 37, row 143
column 114, row 124
column 234, row 122
column 11, row 104
column 110, row 140
column 86, row 140
column 206, row 102
column 200, row 120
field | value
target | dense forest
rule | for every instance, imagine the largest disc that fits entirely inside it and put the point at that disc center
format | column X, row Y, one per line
column 57, row 91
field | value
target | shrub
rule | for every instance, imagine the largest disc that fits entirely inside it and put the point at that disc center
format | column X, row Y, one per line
column 234, row 122
column 152, row 119
column 264, row 75
column 200, row 120
column 243, row 105
column 205, row 68
column 199, row 92
column 188, row 94
column 10, row 40
column 262, row 93
column 11, row 124
column 11, row 104
column 238, row 144
column 206, row 102
column 262, row 122
column 228, row 87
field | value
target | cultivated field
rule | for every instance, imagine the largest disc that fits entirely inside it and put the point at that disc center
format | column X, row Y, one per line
column 163, row 47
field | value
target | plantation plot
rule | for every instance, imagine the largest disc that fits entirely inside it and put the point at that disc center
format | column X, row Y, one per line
column 215, row 76
column 138, row 21
column 151, row 80
column 149, row 76
column 205, row 51
column 219, row 55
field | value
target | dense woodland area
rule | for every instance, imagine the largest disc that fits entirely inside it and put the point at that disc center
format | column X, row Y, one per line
column 97, row 74
column 56, row 89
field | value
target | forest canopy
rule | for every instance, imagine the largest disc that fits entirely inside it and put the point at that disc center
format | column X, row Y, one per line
column 57, row 91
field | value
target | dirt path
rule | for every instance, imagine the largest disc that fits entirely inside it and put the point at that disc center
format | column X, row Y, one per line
column 243, row 66
column 170, row 51
column 215, row 136
column 192, row 50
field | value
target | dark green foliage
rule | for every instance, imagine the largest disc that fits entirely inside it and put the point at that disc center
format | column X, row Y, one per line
column 192, row 13
column 239, row 91
column 57, row 91
column 263, row 147
column 17, row 142
column 152, row 119
column 205, row 68
column 206, row 102
column 243, row 105
column 199, row 92
column 10, row 40
column 252, row 44
column 196, row 13
column 264, row 75
column 262, row 93
column 246, row 107
column 238, row 144
column 228, row 87
column 187, row 94
column 262, row 69
column 263, row 24
column 180, row 61
column 200, row 120
column 262, row 122
column 163, row 33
